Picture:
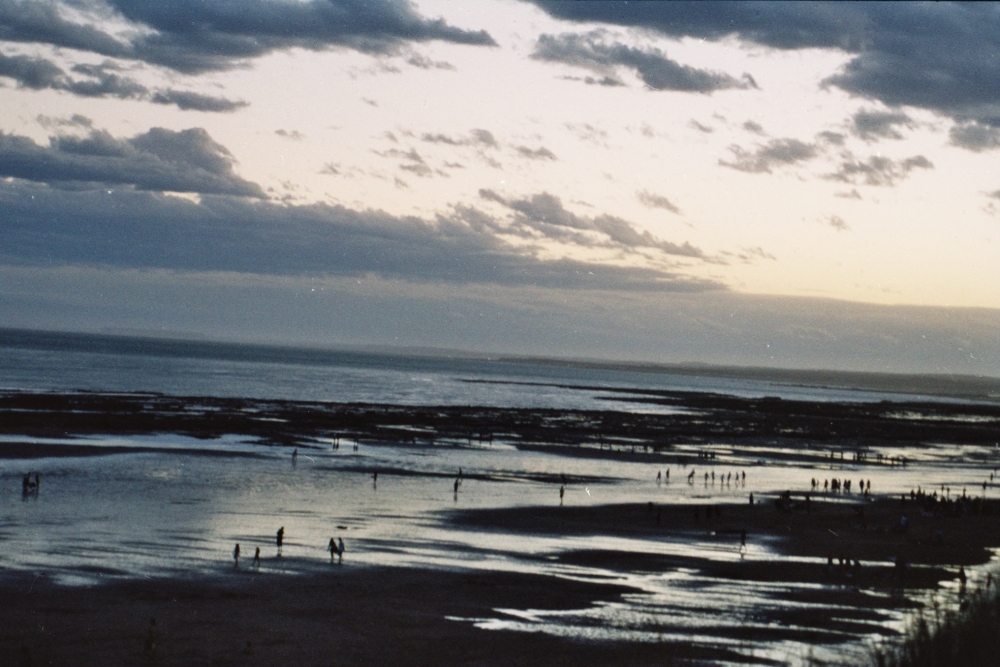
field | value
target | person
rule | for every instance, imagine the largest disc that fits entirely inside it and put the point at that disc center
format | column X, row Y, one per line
column 340, row 551
column 256, row 559
column 332, row 548
column 38, row 481
column 456, row 486
column 659, row 478
column 743, row 543
column 150, row 646
column 281, row 538
column 236, row 557
column 375, row 479
column 295, row 456
column 562, row 492
column 751, row 497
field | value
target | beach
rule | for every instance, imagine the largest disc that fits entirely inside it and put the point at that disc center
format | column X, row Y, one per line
column 484, row 536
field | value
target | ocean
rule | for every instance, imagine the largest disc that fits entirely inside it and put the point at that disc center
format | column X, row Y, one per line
column 49, row 361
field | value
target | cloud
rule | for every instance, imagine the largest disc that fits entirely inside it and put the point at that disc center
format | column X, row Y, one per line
column 39, row 73
column 330, row 169
column 975, row 136
column 656, row 201
column 592, row 51
column 148, row 230
column 607, row 81
column 544, row 214
column 193, row 36
column 294, row 135
column 751, row 126
column 160, row 159
column 853, row 194
column 935, row 56
column 707, row 129
column 423, row 62
column 775, row 153
column 837, row 223
column 188, row 101
column 476, row 137
column 833, row 138
column 878, row 170
column 872, row 125
column 540, row 153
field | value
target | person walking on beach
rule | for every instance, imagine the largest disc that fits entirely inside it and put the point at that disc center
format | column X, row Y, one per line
column 280, row 539
column 340, row 551
column 256, row 560
column 295, row 456
column 562, row 492
column 743, row 543
column 236, row 557
column 332, row 548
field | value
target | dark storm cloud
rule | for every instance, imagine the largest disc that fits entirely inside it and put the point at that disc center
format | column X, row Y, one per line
column 133, row 229
column 936, row 56
column 591, row 51
column 775, row 153
column 872, row 125
column 186, row 161
column 653, row 200
column 194, row 36
column 544, row 214
column 878, row 170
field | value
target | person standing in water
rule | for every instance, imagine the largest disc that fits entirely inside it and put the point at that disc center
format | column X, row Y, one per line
column 236, row 557
column 340, row 551
column 280, row 539
column 256, row 559
column 562, row 492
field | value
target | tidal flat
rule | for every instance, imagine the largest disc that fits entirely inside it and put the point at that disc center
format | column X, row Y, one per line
column 486, row 535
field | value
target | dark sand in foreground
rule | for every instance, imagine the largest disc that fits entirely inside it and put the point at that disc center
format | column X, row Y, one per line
column 357, row 615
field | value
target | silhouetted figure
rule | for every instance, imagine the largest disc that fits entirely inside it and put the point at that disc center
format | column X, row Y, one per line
column 659, row 478
column 456, row 486
column 961, row 576
column 295, row 456
column 236, row 557
column 375, row 479
column 743, row 543
column 25, row 485
column 340, row 551
column 149, row 648
column 38, row 482
column 280, row 539
column 562, row 492
column 256, row 559
column 751, row 499
column 332, row 548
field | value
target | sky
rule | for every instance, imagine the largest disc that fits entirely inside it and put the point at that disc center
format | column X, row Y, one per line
column 781, row 184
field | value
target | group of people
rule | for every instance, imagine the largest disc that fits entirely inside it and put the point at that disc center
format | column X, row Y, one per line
column 837, row 485
column 335, row 547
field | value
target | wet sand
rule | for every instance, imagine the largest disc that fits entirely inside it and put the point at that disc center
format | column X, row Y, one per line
column 351, row 616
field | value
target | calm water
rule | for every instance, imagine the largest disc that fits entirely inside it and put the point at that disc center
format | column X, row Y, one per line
column 46, row 361
column 172, row 512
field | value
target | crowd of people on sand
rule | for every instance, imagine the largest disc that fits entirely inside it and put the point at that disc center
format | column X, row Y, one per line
column 29, row 486
column 335, row 547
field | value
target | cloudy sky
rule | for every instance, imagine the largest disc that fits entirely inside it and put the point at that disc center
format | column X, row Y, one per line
column 761, row 184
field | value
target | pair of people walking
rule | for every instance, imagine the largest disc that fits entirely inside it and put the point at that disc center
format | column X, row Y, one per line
column 336, row 549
